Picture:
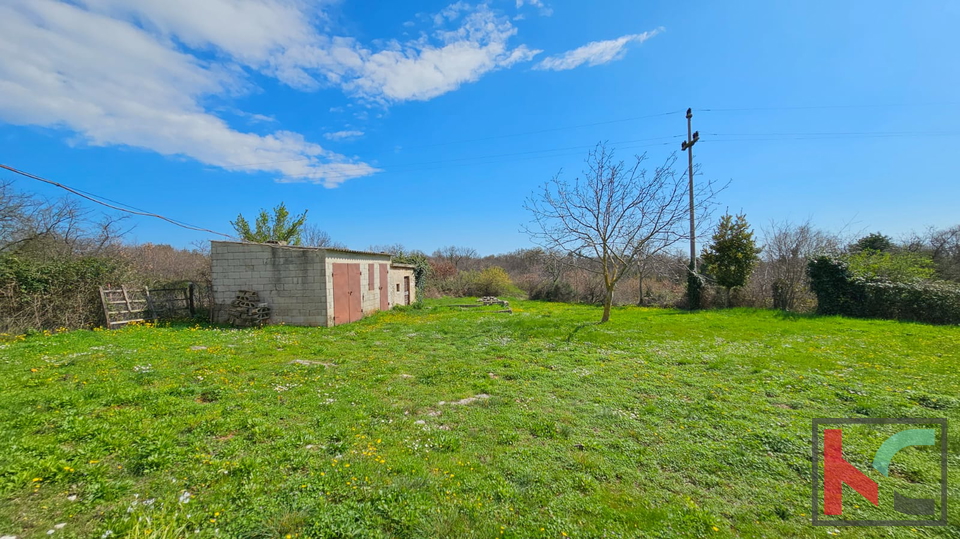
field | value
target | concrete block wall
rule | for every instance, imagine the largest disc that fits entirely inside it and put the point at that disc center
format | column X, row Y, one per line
column 396, row 285
column 291, row 280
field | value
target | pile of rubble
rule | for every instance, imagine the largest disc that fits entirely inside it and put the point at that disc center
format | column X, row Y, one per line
column 492, row 300
column 247, row 310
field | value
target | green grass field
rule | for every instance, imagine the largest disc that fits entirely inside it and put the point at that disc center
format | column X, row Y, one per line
column 659, row 423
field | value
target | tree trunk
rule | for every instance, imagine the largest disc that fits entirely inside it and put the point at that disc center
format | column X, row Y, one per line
column 607, row 303
column 640, row 289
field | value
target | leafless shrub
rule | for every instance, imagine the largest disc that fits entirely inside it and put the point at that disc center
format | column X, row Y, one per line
column 313, row 236
column 154, row 264
column 782, row 275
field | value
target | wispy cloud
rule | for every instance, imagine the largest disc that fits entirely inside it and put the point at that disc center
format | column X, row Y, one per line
column 544, row 9
column 112, row 82
column 341, row 135
column 594, row 53
column 153, row 74
column 415, row 70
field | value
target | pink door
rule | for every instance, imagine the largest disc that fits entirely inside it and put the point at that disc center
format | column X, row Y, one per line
column 346, row 293
column 384, row 288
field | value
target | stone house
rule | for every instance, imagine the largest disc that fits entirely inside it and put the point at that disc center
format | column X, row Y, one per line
column 308, row 286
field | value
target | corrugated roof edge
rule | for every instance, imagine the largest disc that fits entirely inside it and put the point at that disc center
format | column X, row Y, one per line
column 300, row 247
column 402, row 265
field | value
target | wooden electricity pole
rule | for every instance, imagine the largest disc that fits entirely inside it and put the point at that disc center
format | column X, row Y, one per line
column 692, row 138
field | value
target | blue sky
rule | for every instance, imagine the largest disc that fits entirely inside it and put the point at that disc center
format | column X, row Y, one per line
column 428, row 123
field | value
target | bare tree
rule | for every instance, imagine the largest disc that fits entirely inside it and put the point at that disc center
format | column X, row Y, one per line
column 15, row 208
column 455, row 255
column 160, row 263
column 201, row 247
column 614, row 215
column 945, row 251
column 787, row 248
column 395, row 249
column 313, row 236
column 54, row 228
column 66, row 253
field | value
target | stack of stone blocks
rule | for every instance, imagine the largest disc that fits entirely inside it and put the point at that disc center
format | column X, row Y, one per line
column 247, row 310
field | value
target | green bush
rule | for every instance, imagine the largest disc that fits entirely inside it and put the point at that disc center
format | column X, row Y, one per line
column 492, row 281
column 840, row 292
column 559, row 291
column 54, row 293
column 695, row 289
column 887, row 266
column 830, row 279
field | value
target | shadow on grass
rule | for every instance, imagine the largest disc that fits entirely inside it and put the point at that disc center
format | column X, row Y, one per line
column 792, row 316
column 666, row 311
column 578, row 328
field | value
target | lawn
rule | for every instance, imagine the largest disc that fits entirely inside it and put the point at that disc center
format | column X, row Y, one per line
column 439, row 422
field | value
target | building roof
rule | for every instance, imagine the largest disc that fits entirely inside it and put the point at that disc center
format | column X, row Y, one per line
column 302, row 248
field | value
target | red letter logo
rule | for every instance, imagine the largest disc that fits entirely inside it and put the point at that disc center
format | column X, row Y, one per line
column 837, row 471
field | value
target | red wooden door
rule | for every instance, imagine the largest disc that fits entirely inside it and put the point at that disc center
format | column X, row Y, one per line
column 356, row 305
column 384, row 288
column 346, row 293
column 341, row 295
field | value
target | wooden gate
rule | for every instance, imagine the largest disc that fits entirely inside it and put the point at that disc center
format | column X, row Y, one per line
column 126, row 305
column 347, row 305
column 384, row 287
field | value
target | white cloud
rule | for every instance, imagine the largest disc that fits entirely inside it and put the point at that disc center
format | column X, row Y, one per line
column 416, row 70
column 249, row 31
column 280, row 38
column 545, row 10
column 152, row 73
column 115, row 84
column 341, row 135
column 594, row 53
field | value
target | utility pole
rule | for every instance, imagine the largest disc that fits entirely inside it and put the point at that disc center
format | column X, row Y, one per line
column 692, row 138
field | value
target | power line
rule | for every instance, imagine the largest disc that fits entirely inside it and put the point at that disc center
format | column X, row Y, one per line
column 493, row 137
column 548, row 152
column 117, row 208
column 816, row 107
column 840, row 133
column 628, row 144
column 122, row 203
column 535, row 151
column 550, row 130
column 760, row 137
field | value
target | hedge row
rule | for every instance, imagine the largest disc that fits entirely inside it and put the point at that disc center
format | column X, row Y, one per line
column 54, row 293
column 839, row 292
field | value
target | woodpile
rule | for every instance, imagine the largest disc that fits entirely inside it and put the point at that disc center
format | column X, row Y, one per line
column 247, row 310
